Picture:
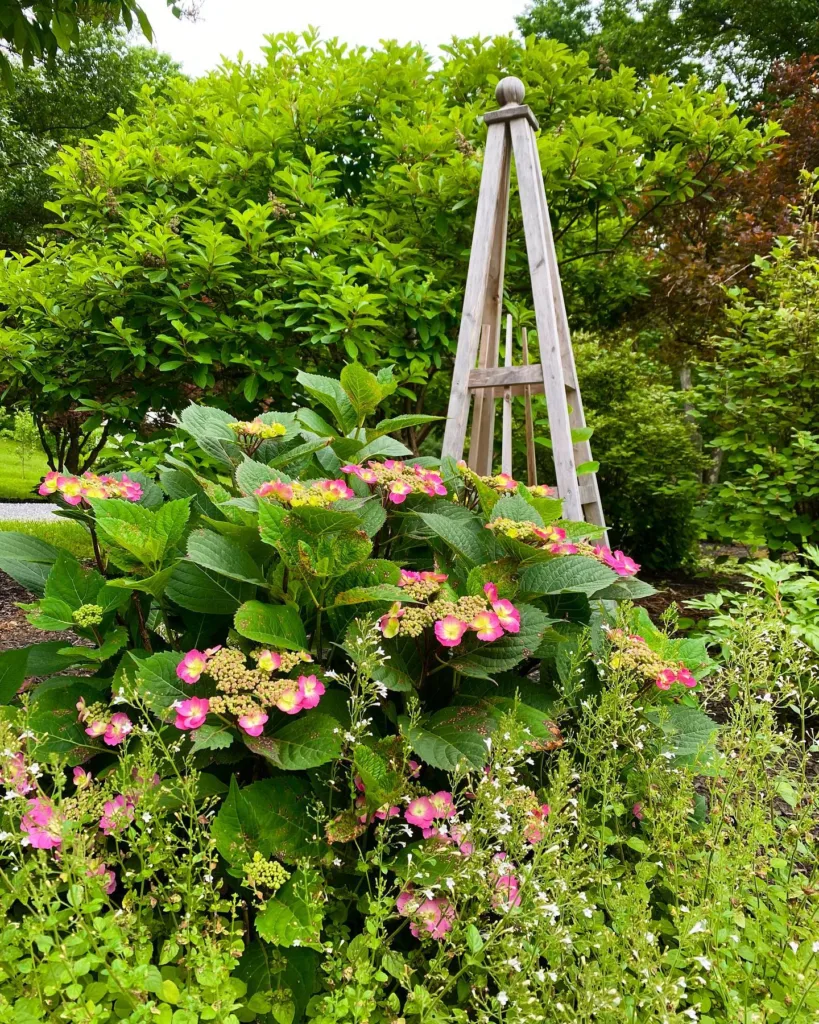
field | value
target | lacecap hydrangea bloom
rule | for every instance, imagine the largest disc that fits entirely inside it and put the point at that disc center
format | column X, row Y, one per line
column 77, row 489
column 398, row 479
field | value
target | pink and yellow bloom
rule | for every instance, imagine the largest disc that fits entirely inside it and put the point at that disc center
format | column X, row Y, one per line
column 535, row 820
column 16, row 775
column 269, row 661
column 118, row 727
column 367, row 475
column 290, row 701
column 616, row 560
column 108, row 876
column 433, row 916
column 398, row 491
column 191, row 713
column 508, row 615
column 389, row 624
column 96, row 729
column 450, row 630
column 191, row 667
column 443, row 805
column 117, row 814
column 311, row 690
column 82, row 778
column 487, row 626
column 420, row 811
column 275, row 489
column 253, row 722
column 41, row 825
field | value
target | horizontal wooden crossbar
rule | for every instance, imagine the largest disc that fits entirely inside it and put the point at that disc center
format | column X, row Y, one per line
column 505, row 376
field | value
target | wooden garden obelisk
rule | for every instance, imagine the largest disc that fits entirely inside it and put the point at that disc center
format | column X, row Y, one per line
column 511, row 135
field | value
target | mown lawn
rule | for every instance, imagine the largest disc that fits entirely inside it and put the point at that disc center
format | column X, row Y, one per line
column 14, row 481
column 61, row 533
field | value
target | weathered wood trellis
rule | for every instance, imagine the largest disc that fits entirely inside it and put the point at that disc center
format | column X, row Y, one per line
column 511, row 132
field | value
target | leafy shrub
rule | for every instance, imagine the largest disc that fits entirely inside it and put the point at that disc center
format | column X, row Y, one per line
column 374, row 670
column 650, row 462
column 759, row 402
column 232, row 245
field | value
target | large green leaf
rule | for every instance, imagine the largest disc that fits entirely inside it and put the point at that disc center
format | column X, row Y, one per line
column 27, row 560
column 367, row 595
column 209, row 428
column 278, row 625
column 567, row 574
column 294, row 916
column 464, row 533
column 453, row 735
column 53, row 720
column 308, row 741
column 331, row 395
column 201, row 590
column 224, row 556
column 262, row 971
column 319, row 521
column 13, row 666
column 513, row 506
column 689, row 734
column 362, row 388
column 68, row 581
column 269, row 816
column 158, row 683
column 391, row 425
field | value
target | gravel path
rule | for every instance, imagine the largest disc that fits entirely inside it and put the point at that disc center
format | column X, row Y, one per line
column 26, row 510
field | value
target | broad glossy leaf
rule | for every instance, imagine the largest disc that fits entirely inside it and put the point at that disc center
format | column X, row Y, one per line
column 331, row 395
column 201, row 590
column 310, row 740
column 278, row 625
column 294, row 916
column 27, row 560
column 572, row 574
column 224, row 556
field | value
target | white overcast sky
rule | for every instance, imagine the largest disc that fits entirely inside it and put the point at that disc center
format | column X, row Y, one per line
column 227, row 27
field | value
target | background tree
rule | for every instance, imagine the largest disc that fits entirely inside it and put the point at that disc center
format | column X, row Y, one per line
column 57, row 104
column 318, row 208
column 722, row 41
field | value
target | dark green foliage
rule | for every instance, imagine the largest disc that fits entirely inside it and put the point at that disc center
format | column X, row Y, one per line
column 57, row 104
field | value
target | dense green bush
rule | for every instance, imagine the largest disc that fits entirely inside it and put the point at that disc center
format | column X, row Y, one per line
column 649, row 454
column 318, row 208
column 364, row 673
column 759, row 403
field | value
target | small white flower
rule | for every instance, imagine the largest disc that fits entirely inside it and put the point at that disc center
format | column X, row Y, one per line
column 698, row 927
column 146, row 816
column 208, row 878
column 704, row 962
column 503, row 998
column 794, row 946
column 336, row 862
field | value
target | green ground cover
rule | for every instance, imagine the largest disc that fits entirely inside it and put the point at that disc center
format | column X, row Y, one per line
column 62, row 534
column 15, row 480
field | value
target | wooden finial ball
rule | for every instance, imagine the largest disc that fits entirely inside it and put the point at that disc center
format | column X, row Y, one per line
column 510, row 90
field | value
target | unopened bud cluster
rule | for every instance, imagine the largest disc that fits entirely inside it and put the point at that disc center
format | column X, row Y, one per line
column 243, row 690
column 631, row 653
column 415, row 620
column 263, row 875
column 251, row 433
column 88, row 615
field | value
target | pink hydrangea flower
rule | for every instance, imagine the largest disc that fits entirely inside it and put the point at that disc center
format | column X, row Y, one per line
column 487, row 626
column 549, row 533
column 508, row 891
column 253, row 722
column 191, row 714
column 399, row 489
column 506, row 482
column 414, row 769
column 290, row 700
column 96, row 729
column 508, row 615
column 119, row 725
column 269, row 661
column 117, row 814
column 405, row 901
column 622, row 564
column 367, row 475
column 82, row 778
column 686, row 678
column 443, row 804
column 41, row 825
column 390, row 623
column 336, row 488
column 311, row 690
column 431, row 482
column 276, row 489
column 420, row 812
column 191, row 667
column 637, row 811
column 108, row 874
column 16, row 775
column 387, row 811
column 665, row 679
column 433, row 916
column 491, row 592
column 450, row 630
column 563, row 549
column 49, row 483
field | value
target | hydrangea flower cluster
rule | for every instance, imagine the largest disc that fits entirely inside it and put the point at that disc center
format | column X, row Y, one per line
column 76, row 489
column 421, row 585
column 100, row 723
column 503, row 483
column 262, row 875
column 15, row 774
column 630, row 651
column 553, row 539
column 251, row 433
column 488, row 617
column 317, row 494
column 42, row 825
column 397, row 479
column 427, row 915
column 246, row 692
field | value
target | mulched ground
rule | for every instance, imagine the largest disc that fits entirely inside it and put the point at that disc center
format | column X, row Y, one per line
column 14, row 629
column 680, row 588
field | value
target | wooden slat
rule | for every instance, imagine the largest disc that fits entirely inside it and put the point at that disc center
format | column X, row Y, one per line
column 529, row 428
column 506, row 431
column 475, row 291
column 510, row 113
column 518, row 390
column 592, row 505
column 530, row 185
column 482, row 440
column 481, row 410
column 504, row 376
